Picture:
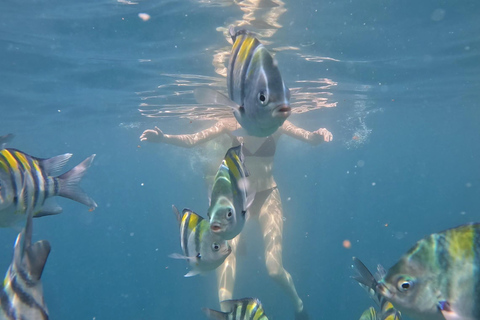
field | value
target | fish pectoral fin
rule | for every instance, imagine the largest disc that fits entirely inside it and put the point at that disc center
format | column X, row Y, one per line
column 178, row 256
column 192, row 273
column 215, row 315
column 49, row 209
column 210, row 96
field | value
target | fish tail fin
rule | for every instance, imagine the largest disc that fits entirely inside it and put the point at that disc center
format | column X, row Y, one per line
column 215, row 315
column 68, row 184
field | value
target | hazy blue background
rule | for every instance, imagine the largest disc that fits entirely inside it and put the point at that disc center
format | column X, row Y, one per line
column 405, row 81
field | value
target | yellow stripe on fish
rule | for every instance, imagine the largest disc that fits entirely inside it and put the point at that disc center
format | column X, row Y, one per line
column 461, row 243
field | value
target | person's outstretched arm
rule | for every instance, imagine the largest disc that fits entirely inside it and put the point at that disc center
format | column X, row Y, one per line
column 316, row 137
column 183, row 140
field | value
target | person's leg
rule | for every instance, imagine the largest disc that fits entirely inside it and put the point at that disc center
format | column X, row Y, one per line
column 226, row 274
column 271, row 222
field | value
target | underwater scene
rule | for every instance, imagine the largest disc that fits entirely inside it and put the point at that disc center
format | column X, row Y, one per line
column 229, row 159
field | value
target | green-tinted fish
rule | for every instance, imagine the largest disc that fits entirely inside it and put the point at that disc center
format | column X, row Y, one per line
column 257, row 93
column 204, row 250
column 21, row 294
column 229, row 200
column 242, row 309
column 369, row 314
column 439, row 278
column 369, row 283
column 26, row 183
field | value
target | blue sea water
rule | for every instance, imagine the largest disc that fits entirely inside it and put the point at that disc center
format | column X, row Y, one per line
column 397, row 83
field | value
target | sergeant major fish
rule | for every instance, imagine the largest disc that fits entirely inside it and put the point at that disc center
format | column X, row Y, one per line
column 367, row 281
column 229, row 200
column 204, row 250
column 26, row 183
column 257, row 93
column 21, row 294
column 438, row 278
column 242, row 309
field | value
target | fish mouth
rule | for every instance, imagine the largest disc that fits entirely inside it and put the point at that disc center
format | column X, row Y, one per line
column 282, row 111
column 384, row 291
column 216, row 227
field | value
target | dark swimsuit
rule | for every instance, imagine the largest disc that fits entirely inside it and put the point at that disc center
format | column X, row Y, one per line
column 266, row 149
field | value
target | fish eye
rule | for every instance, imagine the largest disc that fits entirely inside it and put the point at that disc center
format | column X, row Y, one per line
column 215, row 246
column 229, row 213
column 404, row 284
column 263, row 97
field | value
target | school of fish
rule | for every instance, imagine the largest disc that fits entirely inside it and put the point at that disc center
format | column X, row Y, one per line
column 437, row 279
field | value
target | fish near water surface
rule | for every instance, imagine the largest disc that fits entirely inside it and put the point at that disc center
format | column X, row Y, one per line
column 241, row 309
column 256, row 91
column 438, row 278
column 21, row 294
column 229, row 200
column 26, row 184
column 368, row 282
column 203, row 250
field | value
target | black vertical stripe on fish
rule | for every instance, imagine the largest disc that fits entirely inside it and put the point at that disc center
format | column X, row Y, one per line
column 55, row 188
column 23, row 173
column 235, row 307
column 476, row 271
column 12, row 178
column 197, row 236
column 185, row 234
column 8, row 311
column 244, row 309
column 233, row 59
column 24, row 276
column 246, row 66
column 26, row 299
column 36, row 181
column 46, row 181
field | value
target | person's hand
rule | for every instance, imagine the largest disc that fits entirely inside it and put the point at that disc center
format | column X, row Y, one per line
column 152, row 135
column 323, row 133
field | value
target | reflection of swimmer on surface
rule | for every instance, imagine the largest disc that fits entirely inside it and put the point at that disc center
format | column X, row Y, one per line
column 266, row 207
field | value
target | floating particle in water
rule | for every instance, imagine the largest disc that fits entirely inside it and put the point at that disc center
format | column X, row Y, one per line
column 142, row 184
column 144, row 16
column 468, row 184
column 289, row 198
column 360, row 163
column 373, row 184
column 347, row 244
column 438, row 15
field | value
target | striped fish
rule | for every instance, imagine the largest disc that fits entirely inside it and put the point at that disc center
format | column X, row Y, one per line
column 257, row 93
column 367, row 281
column 439, row 278
column 21, row 294
column 229, row 200
column 26, row 183
column 242, row 309
column 203, row 250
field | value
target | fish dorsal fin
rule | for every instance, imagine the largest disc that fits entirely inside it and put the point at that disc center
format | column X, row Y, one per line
column 28, row 256
column 36, row 257
column 54, row 164
column 210, row 96
column 5, row 139
column 214, row 314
